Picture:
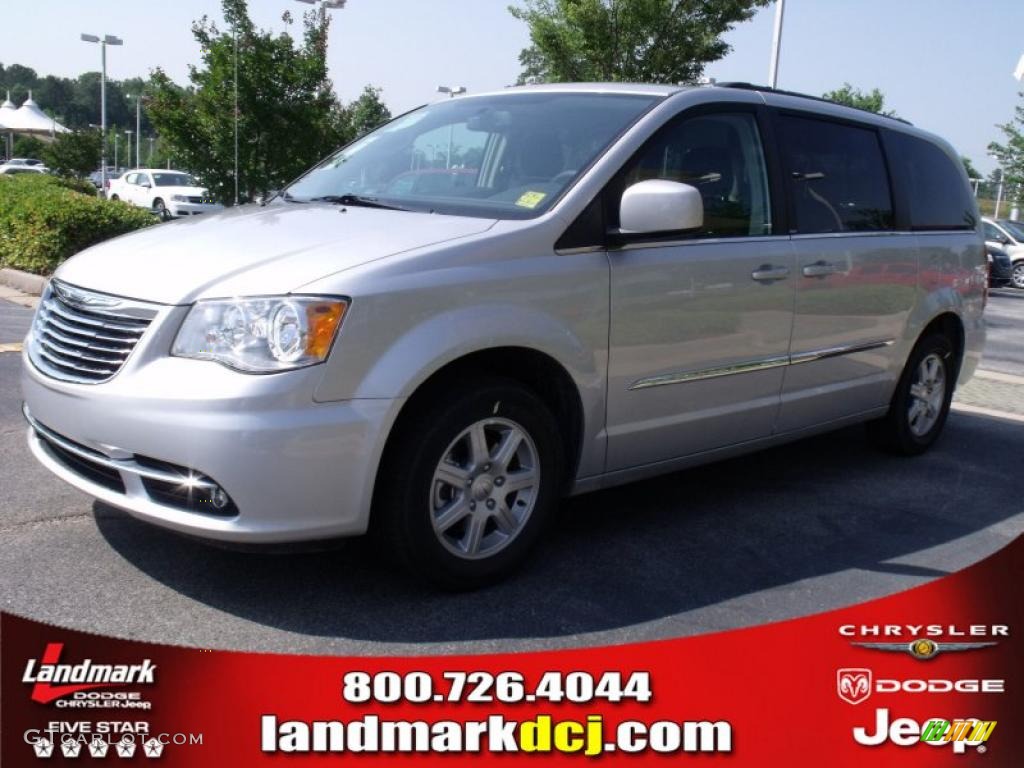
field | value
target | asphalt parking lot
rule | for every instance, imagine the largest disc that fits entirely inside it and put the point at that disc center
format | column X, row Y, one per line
column 787, row 532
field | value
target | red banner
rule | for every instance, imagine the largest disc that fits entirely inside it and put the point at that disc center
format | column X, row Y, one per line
column 929, row 677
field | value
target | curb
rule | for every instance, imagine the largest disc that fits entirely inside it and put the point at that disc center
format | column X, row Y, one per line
column 25, row 282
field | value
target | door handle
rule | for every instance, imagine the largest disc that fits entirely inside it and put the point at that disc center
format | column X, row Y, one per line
column 820, row 269
column 766, row 273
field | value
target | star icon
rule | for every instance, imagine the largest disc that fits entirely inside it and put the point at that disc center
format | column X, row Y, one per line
column 153, row 748
column 71, row 748
column 43, row 748
column 98, row 747
column 125, row 748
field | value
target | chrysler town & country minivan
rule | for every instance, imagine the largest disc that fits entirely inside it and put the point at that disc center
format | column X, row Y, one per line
column 615, row 281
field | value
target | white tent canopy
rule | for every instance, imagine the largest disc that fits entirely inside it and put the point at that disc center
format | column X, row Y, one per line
column 7, row 112
column 29, row 118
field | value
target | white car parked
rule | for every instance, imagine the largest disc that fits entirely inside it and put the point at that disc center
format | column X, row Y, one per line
column 168, row 194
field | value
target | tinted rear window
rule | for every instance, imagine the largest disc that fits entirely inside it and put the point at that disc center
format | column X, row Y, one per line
column 837, row 176
column 938, row 197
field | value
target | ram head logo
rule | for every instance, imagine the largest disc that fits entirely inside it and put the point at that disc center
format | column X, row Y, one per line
column 853, row 685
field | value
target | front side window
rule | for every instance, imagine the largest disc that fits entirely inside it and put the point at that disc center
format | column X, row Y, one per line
column 506, row 156
column 837, row 176
column 719, row 154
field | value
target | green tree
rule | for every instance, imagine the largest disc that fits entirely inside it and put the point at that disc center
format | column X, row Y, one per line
column 74, row 154
column 653, row 41
column 972, row 172
column 869, row 101
column 366, row 113
column 288, row 114
column 1010, row 154
column 28, row 146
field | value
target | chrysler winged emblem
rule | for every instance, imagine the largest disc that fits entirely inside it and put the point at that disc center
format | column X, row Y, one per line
column 853, row 684
column 76, row 297
column 923, row 648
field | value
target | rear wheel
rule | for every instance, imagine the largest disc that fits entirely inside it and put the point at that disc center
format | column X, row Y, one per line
column 114, row 197
column 1018, row 274
column 920, row 404
column 469, row 483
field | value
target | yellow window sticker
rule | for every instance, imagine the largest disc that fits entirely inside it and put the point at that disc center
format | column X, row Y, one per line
column 531, row 199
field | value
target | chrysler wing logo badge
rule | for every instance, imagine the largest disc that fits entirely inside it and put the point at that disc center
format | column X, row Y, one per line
column 853, row 685
column 83, row 299
column 923, row 649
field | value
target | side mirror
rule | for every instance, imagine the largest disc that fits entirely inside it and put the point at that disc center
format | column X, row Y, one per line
column 660, row 206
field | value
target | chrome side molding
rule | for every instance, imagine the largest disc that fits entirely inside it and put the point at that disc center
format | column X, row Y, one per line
column 761, row 364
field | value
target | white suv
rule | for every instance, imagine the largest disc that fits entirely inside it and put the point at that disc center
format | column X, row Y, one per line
column 168, row 194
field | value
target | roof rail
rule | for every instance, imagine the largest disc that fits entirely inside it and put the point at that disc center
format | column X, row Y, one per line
column 752, row 87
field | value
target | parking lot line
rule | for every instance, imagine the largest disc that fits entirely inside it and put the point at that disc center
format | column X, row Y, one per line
column 15, row 347
column 977, row 409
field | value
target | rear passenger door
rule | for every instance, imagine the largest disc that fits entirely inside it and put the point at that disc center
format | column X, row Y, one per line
column 856, row 277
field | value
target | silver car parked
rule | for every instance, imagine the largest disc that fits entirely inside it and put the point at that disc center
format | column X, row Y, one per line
column 497, row 300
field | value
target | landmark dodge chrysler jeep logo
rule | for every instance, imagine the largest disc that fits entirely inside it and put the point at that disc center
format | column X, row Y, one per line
column 84, row 676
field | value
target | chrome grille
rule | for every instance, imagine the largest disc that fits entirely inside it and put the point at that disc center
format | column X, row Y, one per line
column 84, row 336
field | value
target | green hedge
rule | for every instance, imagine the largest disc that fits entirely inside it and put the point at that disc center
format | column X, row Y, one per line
column 43, row 222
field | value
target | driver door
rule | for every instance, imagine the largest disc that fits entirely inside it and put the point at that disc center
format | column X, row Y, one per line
column 700, row 321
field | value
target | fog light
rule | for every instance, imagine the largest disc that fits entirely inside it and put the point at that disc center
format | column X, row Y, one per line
column 219, row 498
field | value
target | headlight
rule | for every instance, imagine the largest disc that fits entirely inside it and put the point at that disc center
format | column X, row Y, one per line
column 261, row 335
column 179, row 198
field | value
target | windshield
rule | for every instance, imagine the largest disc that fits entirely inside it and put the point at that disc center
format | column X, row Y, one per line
column 1015, row 229
column 173, row 180
column 507, row 156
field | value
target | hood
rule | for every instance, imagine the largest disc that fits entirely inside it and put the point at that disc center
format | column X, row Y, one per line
column 251, row 250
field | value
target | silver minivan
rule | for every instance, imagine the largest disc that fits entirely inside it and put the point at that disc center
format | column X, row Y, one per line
column 498, row 300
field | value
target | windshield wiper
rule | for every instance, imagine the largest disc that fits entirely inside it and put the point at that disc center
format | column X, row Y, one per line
column 357, row 200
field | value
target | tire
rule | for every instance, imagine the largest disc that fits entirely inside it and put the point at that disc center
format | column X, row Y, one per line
column 1018, row 274
column 114, row 197
column 447, row 458
column 161, row 210
column 920, row 405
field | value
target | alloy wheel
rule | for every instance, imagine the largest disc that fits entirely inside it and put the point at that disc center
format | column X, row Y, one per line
column 927, row 395
column 1018, row 275
column 484, row 488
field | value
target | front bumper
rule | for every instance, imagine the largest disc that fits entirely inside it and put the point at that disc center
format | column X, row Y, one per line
column 193, row 209
column 294, row 469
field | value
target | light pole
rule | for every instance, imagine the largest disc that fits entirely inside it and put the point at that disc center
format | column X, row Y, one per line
column 452, row 91
column 129, row 154
column 999, row 193
column 773, row 68
column 138, row 127
column 103, row 42
column 116, row 137
column 999, row 189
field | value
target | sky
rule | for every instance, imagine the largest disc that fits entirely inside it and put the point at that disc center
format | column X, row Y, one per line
column 945, row 65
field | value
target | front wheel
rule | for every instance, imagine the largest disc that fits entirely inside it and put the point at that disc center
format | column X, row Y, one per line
column 161, row 210
column 469, row 483
column 1018, row 274
column 920, row 404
